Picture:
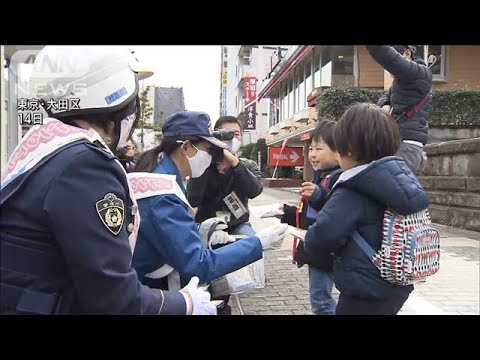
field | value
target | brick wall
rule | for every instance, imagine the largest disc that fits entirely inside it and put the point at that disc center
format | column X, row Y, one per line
column 452, row 179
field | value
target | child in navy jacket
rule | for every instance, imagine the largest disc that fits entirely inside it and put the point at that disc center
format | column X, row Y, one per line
column 322, row 155
column 372, row 180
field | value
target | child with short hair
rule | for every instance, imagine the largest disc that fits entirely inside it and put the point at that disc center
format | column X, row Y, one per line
column 322, row 155
column 373, row 179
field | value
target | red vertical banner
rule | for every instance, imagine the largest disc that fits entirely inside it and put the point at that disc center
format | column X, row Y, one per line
column 250, row 89
column 250, row 102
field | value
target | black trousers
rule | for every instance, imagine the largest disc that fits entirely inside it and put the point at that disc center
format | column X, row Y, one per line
column 225, row 309
column 348, row 305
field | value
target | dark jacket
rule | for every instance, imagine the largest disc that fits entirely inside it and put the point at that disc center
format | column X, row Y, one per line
column 128, row 163
column 208, row 191
column 412, row 82
column 357, row 202
column 309, row 210
column 57, row 254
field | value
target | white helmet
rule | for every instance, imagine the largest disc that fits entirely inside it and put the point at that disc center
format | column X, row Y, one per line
column 81, row 80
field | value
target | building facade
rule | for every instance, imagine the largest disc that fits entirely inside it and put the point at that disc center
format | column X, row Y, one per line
column 167, row 101
column 307, row 68
column 242, row 66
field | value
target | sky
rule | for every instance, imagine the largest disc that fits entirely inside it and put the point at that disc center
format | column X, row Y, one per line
column 194, row 68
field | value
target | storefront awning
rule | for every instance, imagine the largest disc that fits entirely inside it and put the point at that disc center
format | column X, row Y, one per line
column 282, row 74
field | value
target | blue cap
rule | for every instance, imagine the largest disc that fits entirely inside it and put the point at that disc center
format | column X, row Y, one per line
column 185, row 123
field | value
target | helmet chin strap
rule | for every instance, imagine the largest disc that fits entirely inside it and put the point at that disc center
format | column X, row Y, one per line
column 116, row 131
column 118, row 122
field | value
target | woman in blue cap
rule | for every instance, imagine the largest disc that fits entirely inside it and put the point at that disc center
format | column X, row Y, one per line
column 169, row 240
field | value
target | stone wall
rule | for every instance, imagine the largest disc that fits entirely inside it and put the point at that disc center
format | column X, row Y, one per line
column 448, row 133
column 452, row 179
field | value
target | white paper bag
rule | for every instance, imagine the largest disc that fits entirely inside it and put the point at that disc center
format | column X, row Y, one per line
column 247, row 278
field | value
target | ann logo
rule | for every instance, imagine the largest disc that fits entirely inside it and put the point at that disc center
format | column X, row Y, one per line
column 54, row 64
column 30, row 59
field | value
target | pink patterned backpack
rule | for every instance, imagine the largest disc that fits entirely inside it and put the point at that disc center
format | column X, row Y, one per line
column 410, row 249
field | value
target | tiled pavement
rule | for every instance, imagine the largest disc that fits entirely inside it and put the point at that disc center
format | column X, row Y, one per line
column 453, row 290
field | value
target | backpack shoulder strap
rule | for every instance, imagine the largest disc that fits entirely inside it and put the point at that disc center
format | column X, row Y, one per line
column 363, row 244
column 412, row 111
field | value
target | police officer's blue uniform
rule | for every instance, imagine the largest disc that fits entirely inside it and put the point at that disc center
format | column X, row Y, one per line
column 60, row 252
column 168, row 235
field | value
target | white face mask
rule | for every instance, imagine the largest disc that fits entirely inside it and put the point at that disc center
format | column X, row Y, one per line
column 234, row 145
column 125, row 130
column 199, row 163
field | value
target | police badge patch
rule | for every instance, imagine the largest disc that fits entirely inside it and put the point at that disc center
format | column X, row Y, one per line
column 111, row 210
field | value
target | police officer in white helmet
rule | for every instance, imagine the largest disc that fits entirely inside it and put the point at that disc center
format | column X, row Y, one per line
column 69, row 222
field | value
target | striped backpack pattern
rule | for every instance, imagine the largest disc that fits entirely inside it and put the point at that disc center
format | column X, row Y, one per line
column 410, row 249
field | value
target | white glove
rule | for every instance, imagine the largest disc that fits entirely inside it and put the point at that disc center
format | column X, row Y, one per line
column 208, row 227
column 220, row 237
column 272, row 237
column 197, row 299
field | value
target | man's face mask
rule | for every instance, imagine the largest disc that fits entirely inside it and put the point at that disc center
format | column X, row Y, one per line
column 233, row 145
column 199, row 162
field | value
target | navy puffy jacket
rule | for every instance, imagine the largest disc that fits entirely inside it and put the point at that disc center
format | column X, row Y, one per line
column 412, row 82
column 358, row 202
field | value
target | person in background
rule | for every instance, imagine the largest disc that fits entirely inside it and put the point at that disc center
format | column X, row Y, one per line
column 225, row 187
column 126, row 156
column 408, row 100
